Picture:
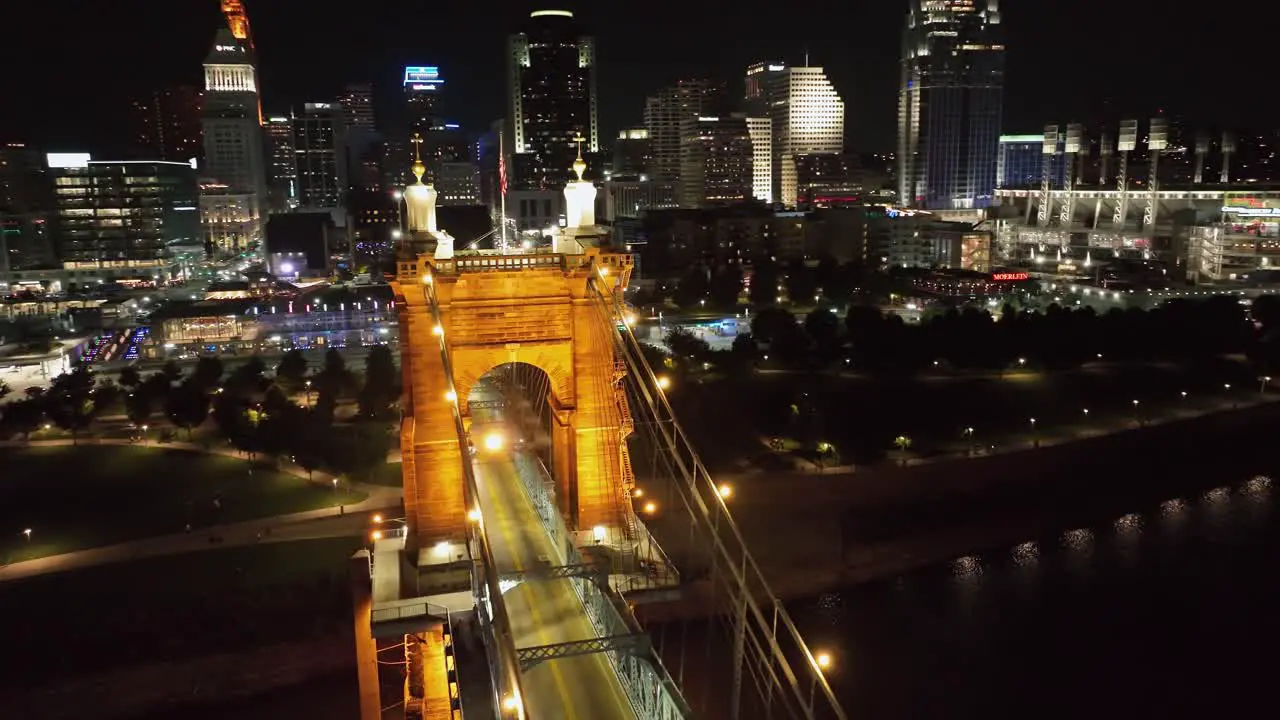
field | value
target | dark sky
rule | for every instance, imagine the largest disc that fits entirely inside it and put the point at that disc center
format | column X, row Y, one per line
column 70, row 69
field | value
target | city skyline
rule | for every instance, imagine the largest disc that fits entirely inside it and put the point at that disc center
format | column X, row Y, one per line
column 375, row 45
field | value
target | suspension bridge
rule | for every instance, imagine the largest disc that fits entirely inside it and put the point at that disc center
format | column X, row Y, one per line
column 537, row 440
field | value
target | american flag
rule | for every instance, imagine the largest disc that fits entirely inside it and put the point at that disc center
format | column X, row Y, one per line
column 502, row 167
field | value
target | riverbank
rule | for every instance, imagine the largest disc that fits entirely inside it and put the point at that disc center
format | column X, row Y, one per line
column 814, row 533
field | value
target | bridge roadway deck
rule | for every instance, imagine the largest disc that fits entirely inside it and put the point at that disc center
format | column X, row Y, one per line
column 543, row 612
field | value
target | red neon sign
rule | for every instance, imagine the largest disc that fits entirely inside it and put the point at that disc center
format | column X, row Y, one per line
column 1007, row 277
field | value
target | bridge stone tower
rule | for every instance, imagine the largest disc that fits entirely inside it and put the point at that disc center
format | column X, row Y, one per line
column 536, row 308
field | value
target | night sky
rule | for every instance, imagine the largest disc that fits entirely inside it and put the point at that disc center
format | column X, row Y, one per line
column 69, row 70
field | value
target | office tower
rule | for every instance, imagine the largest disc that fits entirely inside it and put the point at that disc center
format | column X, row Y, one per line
column 319, row 152
column 761, row 129
column 551, row 99
column 124, row 213
column 166, row 123
column 668, row 110
column 806, row 116
column 357, row 106
column 715, row 161
column 26, row 200
column 949, row 104
column 422, row 88
column 233, row 147
column 632, row 153
column 282, row 169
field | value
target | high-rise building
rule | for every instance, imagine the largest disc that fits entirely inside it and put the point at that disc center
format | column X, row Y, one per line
column 668, row 110
column 25, row 204
column 357, row 106
column 632, row 153
column 320, row 157
column 233, row 147
column 1020, row 163
column 551, row 98
column 806, row 117
column 122, row 213
column 422, row 88
column 282, row 168
column 166, row 123
column 715, row 161
column 949, row 104
column 761, row 129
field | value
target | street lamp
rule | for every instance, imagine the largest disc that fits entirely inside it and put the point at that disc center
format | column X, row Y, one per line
column 597, row 533
column 1263, row 380
column 821, row 662
column 308, row 393
column 664, row 382
column 725, row 490
column 650, row 508
column 27, row 534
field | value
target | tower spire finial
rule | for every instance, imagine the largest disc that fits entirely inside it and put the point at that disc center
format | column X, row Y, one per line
column 579, row 165
column 418, row 168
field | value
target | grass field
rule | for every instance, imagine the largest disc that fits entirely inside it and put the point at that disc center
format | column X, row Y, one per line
column 78, row 497
column 727, row 418
column 174, row 607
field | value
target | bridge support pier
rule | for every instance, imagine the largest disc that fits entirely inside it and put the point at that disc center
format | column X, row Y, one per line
column 366, row 645
column 564, row 463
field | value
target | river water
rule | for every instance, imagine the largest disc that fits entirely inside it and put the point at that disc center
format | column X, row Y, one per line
column 1172, row 612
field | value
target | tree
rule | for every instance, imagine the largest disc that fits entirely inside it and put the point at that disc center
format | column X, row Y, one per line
column 4, row 389
column 22, row 416
column 139, row 405
column 823, row 327
column 292, row 370
column 685, row 346
column 70, row 403
column 130, row 377
column 770, row 323
column 381, row 384
column 171, row 371
column 693, row 288
column 765, row 277
column 248, row 379
column 726, row 286
column 334, row 378
column 903, row 443
column 801, row 283
column 187, row 406
column 207, row 373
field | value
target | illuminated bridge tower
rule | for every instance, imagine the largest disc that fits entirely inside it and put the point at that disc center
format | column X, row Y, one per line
column 537, row 309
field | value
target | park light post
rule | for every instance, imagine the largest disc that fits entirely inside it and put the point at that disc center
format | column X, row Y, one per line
column 968, row 435
column 1262, row 386
column 1035, row 440
column 821, row 663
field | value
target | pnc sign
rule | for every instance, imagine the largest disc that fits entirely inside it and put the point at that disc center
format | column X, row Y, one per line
column 1009, row 276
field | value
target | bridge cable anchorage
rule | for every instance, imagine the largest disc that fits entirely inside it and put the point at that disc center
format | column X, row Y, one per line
column 767, row 647
column 633, row 644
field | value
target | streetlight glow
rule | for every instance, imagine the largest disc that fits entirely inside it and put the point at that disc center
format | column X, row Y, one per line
column 650, row 507
column 598, row 532
column 473, row 515
column 376, row 535
column 377, row 518
column 725, row 490
column 664, row 382
column 493, row 442
column 822, row 660
column 438, row 331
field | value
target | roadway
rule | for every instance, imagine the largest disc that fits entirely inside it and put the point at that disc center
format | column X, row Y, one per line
column 542, row 612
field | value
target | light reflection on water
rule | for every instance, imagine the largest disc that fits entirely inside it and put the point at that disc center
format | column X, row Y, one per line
column 1068, row 616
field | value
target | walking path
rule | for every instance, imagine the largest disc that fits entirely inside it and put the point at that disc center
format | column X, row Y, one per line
column 342, row 521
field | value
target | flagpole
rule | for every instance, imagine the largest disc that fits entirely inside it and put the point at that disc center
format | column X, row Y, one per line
column 502, row 189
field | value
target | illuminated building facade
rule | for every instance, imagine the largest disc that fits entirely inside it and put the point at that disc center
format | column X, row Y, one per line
column 667, row 112
column 949, row 104
column 422, row 87
column 25, row 205
column 761, row 129
column 122, row 213
column 166, row 123
column 357, row 106
column 632, row 153
column 715, row 161
column 281, row 163
column 806, row 116
column 551, row 99
column 320, row 158
column 229, row 219
column 1020, row 162
column 233, row 142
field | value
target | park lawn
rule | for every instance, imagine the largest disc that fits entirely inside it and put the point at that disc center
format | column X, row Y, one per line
column 727, row 417
column 388, row 474
column 74, row 498
column 175, row 607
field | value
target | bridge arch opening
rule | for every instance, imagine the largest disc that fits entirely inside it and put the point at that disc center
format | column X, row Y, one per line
column 524, row 396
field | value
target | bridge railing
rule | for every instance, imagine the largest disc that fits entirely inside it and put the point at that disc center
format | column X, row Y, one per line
column 504, row 661
column 652, row 692
column 765, row 641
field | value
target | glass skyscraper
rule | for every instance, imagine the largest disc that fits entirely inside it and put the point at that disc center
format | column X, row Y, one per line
column 949, row 104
